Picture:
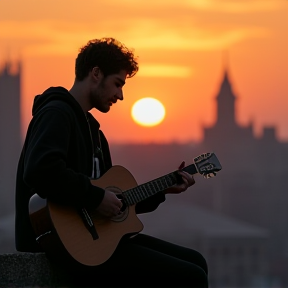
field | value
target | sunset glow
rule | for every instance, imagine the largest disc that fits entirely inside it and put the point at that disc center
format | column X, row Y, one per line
column 184, row 48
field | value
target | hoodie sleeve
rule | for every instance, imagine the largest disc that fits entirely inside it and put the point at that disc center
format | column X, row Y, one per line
column 47, row 170
column 150, row 204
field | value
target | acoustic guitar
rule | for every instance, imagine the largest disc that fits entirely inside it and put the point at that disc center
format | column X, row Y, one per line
column 91, row 238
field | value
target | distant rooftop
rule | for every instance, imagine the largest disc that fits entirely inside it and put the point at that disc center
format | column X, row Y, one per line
column 171, row 219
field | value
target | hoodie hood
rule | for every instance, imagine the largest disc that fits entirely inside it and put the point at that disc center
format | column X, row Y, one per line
column 52, row 94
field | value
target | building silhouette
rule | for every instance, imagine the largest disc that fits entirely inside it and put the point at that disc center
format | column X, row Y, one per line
column 226, row 125
column 10, row 134
column 254, row 185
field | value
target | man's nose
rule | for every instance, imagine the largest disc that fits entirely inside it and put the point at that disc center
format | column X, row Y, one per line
column 120, row 95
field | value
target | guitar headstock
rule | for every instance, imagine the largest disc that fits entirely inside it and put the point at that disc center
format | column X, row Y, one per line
column 207, row 164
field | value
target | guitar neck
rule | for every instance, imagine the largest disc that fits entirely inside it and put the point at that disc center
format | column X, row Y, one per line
column 146, row 190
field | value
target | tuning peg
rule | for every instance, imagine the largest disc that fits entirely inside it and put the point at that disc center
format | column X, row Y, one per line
column 209, row 175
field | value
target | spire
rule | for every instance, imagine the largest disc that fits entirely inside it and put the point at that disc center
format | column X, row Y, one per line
column 225, row 59
column 225, row 87
column 226, row 98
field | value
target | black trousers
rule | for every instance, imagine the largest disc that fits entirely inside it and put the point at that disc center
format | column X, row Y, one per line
column 141, row 261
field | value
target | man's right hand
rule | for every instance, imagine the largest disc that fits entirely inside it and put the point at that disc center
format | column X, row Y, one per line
column 110, row 205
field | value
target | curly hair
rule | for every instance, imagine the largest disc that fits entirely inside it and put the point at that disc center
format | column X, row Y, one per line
column 110, row 55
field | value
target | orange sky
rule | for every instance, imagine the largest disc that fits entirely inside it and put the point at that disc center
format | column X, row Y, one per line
column 183, row 48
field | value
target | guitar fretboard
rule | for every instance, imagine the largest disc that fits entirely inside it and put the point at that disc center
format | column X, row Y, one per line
column 143, row 191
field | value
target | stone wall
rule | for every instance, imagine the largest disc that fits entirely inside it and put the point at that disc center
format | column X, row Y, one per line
column 28, row 270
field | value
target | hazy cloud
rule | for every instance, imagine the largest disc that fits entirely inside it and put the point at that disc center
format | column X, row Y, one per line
column 45, row 37
column 164, row 24
column 235, row 6
column 160, row 70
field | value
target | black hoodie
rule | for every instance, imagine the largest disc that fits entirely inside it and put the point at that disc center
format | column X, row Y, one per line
column 56, row 161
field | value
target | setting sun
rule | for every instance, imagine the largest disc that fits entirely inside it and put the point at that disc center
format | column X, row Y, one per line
column 148, row 112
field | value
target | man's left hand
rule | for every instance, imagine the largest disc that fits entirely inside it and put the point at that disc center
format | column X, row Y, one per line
column 188, row 180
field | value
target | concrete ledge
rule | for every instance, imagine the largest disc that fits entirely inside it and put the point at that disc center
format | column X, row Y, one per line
column 28, row 270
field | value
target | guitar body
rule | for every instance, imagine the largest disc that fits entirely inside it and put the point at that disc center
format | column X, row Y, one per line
column 76, row 238
column 90, row 238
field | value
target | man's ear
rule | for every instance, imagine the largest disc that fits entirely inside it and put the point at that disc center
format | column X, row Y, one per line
column 96, row 73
